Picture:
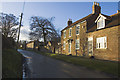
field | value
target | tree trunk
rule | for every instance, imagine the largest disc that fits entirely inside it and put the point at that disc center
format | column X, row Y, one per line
column 54, row 49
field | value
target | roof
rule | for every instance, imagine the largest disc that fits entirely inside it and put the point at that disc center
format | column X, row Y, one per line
column 84, row 18
column 90, row 20
column 104, row 16
column 108, row 17
column 113, row 21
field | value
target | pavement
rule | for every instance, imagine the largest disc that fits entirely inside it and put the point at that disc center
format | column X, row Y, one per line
column 39, row 66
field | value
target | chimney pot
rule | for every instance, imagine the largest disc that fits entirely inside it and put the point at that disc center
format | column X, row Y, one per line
column 96, row 8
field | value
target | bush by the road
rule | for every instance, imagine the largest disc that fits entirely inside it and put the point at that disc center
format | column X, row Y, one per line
column 11, row 64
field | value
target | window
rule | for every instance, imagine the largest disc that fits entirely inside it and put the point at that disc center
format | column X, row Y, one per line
column 101, row 43
column 83, row 26
column 77, row 44
column 70, row 32
column 64, row 45
column 77, row 30
column 101, row 23
column 64, row 34
column 69, row 50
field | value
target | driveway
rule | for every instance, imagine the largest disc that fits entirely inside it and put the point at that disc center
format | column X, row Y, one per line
column 39, row 66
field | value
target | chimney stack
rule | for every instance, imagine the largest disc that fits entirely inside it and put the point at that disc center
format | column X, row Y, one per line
column 69, row 22
column 96, row 9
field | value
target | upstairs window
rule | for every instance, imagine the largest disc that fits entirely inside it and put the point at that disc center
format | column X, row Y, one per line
column 101, row 43
column 77, row 30
column 70, row 32
column 77, row 44
column 64, row 34
column 101, row 23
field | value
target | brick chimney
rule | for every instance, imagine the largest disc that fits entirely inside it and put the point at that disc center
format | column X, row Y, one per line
column 69, row 22
column 96, row 9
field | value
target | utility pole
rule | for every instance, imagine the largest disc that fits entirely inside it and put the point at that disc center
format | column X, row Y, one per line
column 19, row 28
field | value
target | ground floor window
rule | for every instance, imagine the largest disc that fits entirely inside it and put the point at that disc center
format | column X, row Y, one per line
column 64, row 45
column 77, row 44
column 101, row 42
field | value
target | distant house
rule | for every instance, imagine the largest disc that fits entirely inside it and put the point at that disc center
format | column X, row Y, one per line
column 33, row 44
column 53, row 46
column 95, row 35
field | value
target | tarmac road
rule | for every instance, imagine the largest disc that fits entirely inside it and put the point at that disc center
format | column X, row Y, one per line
column 39, row 66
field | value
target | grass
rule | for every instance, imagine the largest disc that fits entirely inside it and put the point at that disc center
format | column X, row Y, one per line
column 11, row 64
column 100, row 65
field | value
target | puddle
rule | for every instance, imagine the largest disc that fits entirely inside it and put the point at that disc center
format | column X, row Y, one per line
column 26, row 62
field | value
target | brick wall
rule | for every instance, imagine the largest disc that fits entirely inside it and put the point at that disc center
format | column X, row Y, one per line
column 74, row 37
column 111, row 52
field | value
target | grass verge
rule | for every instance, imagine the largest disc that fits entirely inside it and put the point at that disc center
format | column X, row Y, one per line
column 100, row 65
column 11, row 64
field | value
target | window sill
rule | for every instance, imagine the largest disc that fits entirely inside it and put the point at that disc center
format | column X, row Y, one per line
column 77, row 48
column 101, row 48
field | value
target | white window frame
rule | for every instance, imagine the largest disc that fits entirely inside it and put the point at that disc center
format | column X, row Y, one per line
column 64, row 45
column 70, row 34
column 77, row 43
column 78, row 29
column 101, row 42
column 64, row 34
column 69, row 49
column 101, row 23
column 90, row 39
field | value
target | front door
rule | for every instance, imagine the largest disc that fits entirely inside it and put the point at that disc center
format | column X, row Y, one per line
column 69, row 47
column 90, row 46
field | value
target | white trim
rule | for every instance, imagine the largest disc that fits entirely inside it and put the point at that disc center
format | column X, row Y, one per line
column 100, row 15
column 70, row 47
column 90, row 39
column 101, row 20
column 98, row 41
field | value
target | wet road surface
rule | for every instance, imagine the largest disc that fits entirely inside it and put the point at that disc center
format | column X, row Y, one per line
column 39, row 66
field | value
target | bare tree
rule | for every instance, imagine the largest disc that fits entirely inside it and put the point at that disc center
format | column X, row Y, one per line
column 42, row 28
column 8, row 23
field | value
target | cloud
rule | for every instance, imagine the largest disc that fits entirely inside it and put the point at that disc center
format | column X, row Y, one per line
column 24, row 34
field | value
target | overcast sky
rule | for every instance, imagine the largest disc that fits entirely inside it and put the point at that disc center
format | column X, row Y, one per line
column 62, row 11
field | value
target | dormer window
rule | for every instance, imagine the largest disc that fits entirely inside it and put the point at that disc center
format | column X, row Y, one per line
column 101, row 23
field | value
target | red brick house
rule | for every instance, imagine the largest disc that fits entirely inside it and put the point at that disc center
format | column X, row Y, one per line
column 95, row 35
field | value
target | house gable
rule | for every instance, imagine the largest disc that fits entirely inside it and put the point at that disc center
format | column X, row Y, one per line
column 100, row 16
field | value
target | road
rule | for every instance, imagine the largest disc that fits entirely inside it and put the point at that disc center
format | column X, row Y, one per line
column 39, row 66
